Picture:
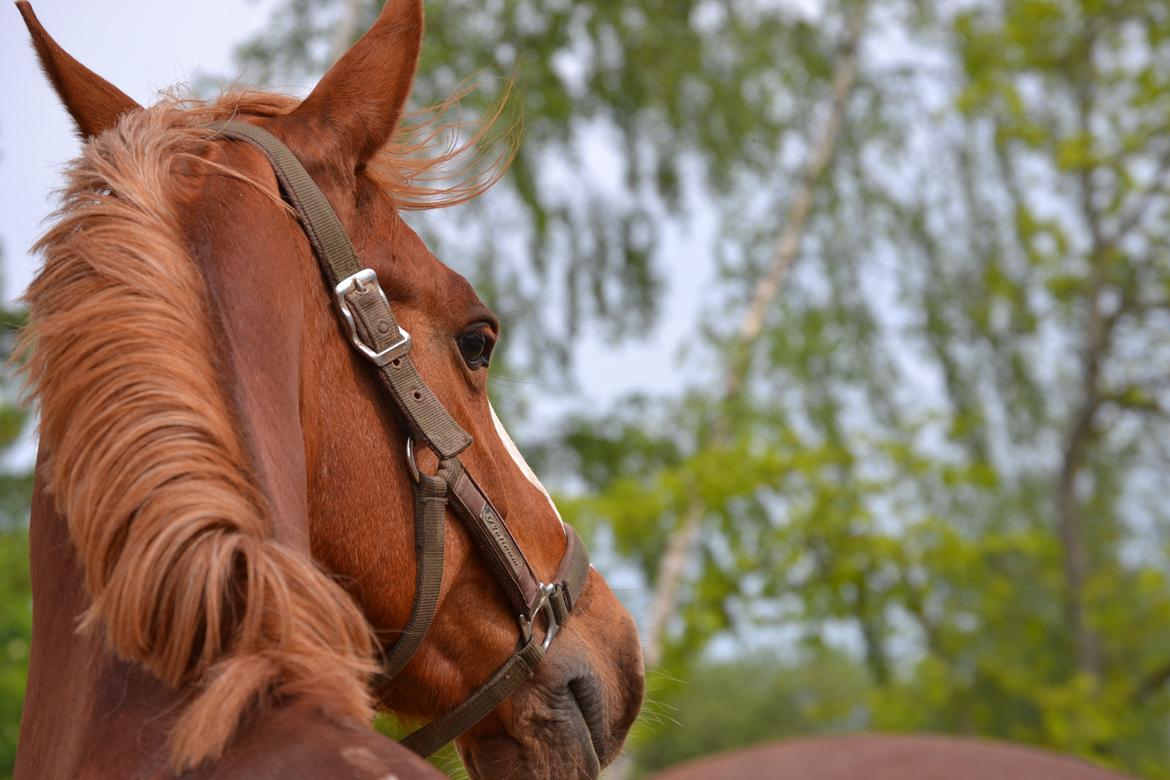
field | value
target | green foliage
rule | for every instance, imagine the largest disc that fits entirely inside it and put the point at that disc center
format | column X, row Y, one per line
column 968, row 361
column 15, row 633
column 446, row 759
column 15, row 591
column 760, row 697
column 898, row 457
column 681, row 88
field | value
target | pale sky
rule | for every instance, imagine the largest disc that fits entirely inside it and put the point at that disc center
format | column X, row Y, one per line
column 139, row 46
column 143, row 47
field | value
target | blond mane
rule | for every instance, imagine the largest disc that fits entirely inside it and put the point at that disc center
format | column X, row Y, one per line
column 143, row 454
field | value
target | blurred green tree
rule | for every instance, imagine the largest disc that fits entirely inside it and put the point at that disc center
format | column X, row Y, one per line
column 626, row 108
column 949, row 440
column 15, row 592
column 949, row 437
column 751, row 699
column 15, row 634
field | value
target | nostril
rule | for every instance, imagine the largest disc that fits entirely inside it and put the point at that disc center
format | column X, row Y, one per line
column 586, row 692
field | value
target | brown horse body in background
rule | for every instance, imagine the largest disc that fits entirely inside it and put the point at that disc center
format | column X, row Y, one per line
column 222, row 528
column 886, row 757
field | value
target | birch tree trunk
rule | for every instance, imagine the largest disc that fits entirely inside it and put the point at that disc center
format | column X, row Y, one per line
column 682, row 541
column 345, row 33
column 1075, row 454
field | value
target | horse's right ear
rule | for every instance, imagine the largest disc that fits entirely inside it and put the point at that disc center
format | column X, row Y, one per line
column 94, row 103
column 355, row 108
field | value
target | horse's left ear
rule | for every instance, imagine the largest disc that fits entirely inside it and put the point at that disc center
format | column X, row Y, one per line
column 94, row 103
column 355, row 108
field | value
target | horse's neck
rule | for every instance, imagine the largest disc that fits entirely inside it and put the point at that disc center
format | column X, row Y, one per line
column 89, row 715
column 85, row 712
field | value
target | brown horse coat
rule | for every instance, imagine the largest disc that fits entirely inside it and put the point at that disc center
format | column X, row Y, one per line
column 887, row 757
column 222, row 534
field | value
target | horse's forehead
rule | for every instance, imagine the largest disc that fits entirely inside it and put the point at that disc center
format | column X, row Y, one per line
column 415, row 272
column 406, row 267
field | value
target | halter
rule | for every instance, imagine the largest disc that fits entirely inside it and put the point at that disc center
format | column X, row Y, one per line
column 377, row 336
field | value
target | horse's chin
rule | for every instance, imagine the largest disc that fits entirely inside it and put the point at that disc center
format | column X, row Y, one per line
column 503, row 757
column 558, row 735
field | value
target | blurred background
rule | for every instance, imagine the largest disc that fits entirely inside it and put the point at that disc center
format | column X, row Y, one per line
column 841, row 329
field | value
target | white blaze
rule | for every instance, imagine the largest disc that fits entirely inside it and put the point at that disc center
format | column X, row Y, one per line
column 522, row 464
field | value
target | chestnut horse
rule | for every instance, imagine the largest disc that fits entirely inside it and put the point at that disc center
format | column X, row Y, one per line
column 223, row 531
column 887, row 757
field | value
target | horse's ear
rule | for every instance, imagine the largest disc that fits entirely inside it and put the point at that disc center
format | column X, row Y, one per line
column 94, row 103
column 355, row 108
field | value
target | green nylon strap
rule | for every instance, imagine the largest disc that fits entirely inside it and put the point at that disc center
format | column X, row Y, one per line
column 426, row 415
column 515, row 671
column 430, row 519
column 325, row 231
column 374, row 320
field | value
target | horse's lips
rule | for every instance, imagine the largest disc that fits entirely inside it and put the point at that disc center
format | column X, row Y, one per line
column 587, row 696
column 583, row 702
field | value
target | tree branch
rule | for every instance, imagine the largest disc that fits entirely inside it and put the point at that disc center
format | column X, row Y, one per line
column 1075, row 560
column 1151, row 684
column 684, row 537
column 346, row 31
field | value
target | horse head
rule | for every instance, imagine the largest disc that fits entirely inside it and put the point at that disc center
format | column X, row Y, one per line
column 233, row 473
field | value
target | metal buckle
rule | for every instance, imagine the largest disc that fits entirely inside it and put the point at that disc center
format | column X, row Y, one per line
column 358, row 281
column 545, row 605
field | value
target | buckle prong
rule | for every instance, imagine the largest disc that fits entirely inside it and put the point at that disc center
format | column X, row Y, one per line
column 358, row 282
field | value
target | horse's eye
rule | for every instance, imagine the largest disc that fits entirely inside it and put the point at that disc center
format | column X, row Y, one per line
column 476, row 347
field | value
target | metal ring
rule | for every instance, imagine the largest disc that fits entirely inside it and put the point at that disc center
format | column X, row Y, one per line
column 547, row 591
column 410, row 461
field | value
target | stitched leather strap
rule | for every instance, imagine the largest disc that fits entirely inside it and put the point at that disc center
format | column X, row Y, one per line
column 495, row 541
column 573, row 572
column 572, row 575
